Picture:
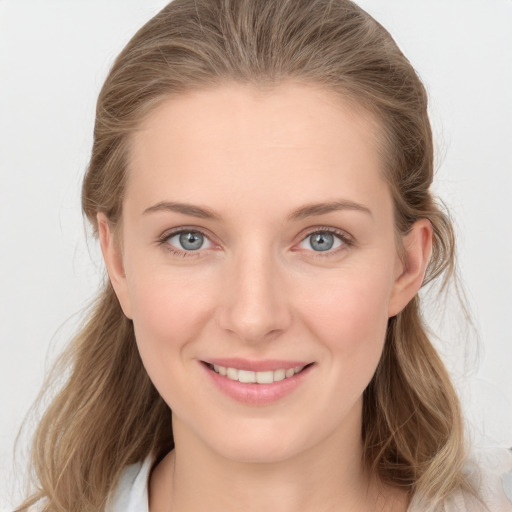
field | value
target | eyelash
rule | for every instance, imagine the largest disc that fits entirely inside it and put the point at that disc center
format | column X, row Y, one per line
column 344, row 237
column 346, row 240
column 162, row 241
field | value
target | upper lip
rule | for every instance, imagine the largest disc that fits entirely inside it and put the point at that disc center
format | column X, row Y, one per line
column 255, row 365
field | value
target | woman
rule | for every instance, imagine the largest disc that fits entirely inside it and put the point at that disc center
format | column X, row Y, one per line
column 260, row 184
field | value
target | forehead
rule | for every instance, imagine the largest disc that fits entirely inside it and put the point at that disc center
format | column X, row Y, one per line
column 241, row 141
column 245, row 115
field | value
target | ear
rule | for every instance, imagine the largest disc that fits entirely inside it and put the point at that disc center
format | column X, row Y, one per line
column 113, row 257
column 417, row 247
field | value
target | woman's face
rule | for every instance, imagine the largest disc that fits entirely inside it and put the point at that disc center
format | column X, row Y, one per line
column 258, row 235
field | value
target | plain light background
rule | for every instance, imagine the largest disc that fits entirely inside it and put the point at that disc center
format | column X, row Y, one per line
column 54, row 56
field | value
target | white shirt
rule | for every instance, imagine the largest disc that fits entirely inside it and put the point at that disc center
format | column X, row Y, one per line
column 490, row 470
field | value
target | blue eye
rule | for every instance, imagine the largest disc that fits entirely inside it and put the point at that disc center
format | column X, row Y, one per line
column 321, row 241
column 191, row 241
column 188, row 240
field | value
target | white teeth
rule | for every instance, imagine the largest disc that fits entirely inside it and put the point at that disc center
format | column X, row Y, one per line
column 265, row 377
column 232, row 373
column 247, row 376
column 279, row 375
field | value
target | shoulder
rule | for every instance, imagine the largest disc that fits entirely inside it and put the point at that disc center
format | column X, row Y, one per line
column 489, row 473
column 131, row 493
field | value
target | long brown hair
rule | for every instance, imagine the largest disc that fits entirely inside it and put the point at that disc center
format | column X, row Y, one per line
column 108, row 414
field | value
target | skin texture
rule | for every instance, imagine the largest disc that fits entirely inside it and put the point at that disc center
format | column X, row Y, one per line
column 257, row 289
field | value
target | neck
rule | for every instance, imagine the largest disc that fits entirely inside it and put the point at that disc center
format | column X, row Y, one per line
column 327, row 477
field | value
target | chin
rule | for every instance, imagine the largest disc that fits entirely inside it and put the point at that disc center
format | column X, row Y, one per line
column 258, row 444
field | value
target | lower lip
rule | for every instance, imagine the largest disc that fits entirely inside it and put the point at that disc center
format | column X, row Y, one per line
column 257, row 394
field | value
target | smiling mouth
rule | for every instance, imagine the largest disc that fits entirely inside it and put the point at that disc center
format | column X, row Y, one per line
column 253, row 377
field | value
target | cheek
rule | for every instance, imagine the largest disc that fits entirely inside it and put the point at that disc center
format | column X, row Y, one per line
column 350, row 315
column 169, row 310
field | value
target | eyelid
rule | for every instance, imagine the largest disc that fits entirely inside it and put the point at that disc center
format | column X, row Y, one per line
column 170, row 233
column 346, row 239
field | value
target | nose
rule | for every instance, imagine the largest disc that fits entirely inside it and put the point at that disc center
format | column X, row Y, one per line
column 255, row 305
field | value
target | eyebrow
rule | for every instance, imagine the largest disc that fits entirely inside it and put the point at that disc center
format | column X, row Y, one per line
column 311, row 210
column 303, row 212
column 185, row 208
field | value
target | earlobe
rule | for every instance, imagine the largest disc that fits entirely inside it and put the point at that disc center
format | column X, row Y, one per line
column 417, row 247
column 112, row 255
